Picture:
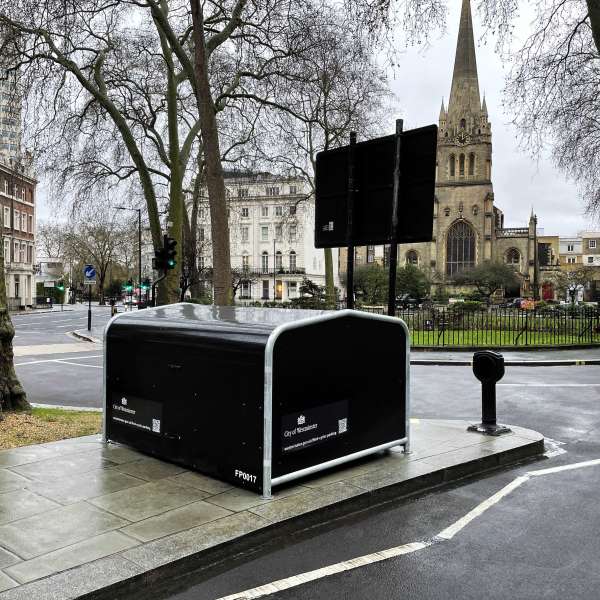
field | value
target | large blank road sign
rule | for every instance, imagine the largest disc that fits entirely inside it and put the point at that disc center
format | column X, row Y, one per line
column 373, row 205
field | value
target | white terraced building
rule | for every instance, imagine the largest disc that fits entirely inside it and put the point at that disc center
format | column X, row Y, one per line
column 271, row 221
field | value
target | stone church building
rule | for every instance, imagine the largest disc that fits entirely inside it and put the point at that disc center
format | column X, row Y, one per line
column 468, row 228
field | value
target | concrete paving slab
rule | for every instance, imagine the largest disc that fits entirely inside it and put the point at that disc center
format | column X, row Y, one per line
column 72, row 556
column 56, row 529
column 148, row 500
column 175, row 521
column 11, row 481
column 53, row 469
column 123, row 520
column 6, row 582
column 85, row 486
column 150, row 469
column 19, row 504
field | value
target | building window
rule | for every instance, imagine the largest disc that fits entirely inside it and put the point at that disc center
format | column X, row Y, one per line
column 513, row 258
column 461, row 165
column 463, row 123
column 22, row 253
column 292, row 210
column 264, row 262
column 460, row 248
column 570, row 247
column 245, row 234
column 370, row 254
column 264, row 233
column 279, row 211
column 471, row 164
column 242, row 192
column 29, row 254
column 16, row 217
column 245, row 261
column 265, row 289
column 24, row 222
column 23, row 194
column 293, row 190
column 292, row 261
column 446, row 212
column 6, row 216
column 264, row 211
column 201, row 234
column 278, row 260
column 570, row 260
column 30, row 218
column 292, row 289
column 245, row 212
column 278, row 232
column 7, row 250
column 591, row 244
column 6, row 186
column 590, row 260
column 246, row 290
column 201, row 262
column 293, row 233
column 273, row 191
column 452, row 165
column 412, row 258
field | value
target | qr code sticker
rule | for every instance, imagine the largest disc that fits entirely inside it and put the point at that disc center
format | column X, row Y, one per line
column 156, row 425
column 342, row 425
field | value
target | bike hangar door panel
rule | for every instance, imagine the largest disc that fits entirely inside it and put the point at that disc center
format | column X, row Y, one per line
column 339, row 387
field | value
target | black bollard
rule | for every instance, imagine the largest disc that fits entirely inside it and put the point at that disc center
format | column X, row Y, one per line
column 488, row 367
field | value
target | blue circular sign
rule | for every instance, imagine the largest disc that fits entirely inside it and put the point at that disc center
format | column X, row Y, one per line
column 89, row 272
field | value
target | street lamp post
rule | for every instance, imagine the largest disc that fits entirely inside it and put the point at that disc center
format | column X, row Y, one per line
column 139, row 212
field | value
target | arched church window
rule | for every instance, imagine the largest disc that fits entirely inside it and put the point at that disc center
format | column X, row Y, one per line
column 412, row 258
column 463, row 123
column 513, row 258
column 461, row 165
column 460, row 248
column 471, row 164
column 452, row 165
column 475, row 209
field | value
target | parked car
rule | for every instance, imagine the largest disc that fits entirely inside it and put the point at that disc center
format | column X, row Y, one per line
column 407, row 301
column 511, row 303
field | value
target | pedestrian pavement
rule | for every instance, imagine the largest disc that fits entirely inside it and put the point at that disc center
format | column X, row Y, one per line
column 81, row 517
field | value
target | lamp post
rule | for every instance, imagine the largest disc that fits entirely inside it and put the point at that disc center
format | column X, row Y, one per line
column 139, row 212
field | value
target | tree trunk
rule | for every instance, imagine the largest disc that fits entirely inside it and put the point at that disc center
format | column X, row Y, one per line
column 195, row 287
column 594, row 13
column 214, row 170
column 12, row 395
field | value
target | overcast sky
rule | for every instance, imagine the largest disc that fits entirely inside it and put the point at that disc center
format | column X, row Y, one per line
column 424, row 76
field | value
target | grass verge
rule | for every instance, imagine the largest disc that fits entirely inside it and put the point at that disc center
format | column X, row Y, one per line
column 43, row 425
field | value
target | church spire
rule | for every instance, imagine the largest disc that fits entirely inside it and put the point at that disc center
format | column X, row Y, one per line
column 464, row 96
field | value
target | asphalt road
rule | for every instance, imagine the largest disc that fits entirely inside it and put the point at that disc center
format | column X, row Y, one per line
column 53, row 366
column 540, row 541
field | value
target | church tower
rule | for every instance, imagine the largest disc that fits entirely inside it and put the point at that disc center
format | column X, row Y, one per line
column 465, row 216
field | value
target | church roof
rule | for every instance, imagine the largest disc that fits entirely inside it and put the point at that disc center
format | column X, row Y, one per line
column 464, row 96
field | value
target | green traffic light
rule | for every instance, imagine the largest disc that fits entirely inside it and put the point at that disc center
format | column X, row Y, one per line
column 171, row 262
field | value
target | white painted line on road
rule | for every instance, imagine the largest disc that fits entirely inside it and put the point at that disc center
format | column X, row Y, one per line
column 368, row 559
column 550, row 385
column 348, row 565
column 67, row 362
column 49, row 360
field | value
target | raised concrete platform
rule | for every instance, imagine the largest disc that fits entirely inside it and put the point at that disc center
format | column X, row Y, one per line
column 79, row 518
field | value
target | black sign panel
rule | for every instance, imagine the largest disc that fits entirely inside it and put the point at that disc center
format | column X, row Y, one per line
column 314, row 426
column 137, row 413
column 374, row 164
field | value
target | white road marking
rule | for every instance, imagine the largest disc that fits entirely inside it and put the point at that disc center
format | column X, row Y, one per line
column 49, row 360
column 545, row 385
column 67, row 362
column 74, row 348
column 443, row 536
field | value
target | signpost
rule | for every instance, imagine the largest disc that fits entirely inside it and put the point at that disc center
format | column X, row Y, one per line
column 379, row 191
column 89, row 279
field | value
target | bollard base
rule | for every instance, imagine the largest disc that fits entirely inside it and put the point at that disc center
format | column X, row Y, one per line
column 488, row 429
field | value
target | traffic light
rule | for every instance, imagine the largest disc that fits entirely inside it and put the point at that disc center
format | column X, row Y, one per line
column 146, row 284
column 164, row 258
column 60, row 286
column 129, row 286
column 170, row 252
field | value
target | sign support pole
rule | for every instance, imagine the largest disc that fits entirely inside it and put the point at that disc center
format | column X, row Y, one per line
column 395, row 207
column 350, row 222
column 89, row 307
